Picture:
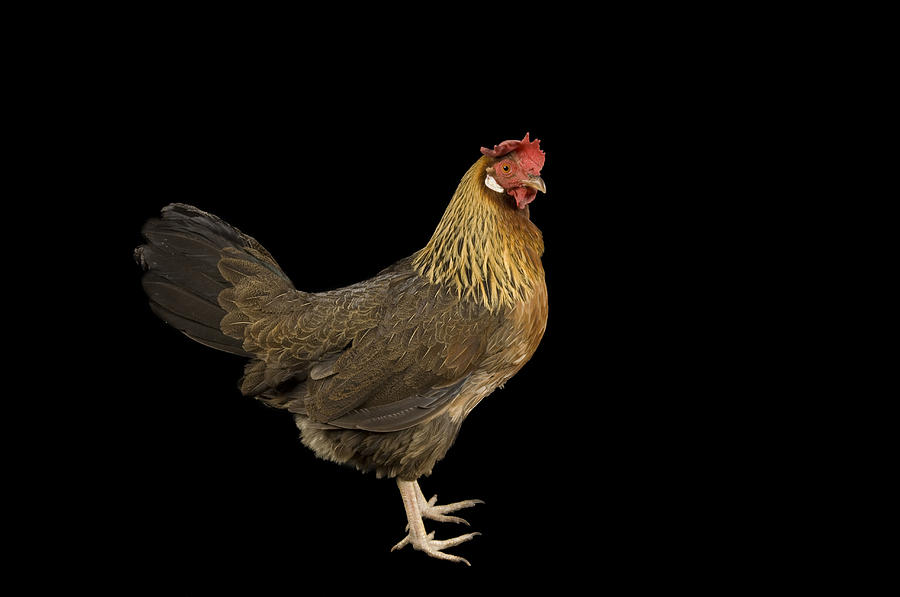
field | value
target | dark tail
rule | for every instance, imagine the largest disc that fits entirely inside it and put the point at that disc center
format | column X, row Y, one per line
column 182, row 278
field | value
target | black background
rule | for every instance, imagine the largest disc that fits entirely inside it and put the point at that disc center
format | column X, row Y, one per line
column 585, row 444
column 224, row 482
column 612, row 454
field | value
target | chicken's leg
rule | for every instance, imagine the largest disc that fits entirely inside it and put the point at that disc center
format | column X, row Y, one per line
column 416, row 507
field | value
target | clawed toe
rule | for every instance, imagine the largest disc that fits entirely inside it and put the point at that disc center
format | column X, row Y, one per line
column 437, row 513
column 433, row 547
column 432, row 511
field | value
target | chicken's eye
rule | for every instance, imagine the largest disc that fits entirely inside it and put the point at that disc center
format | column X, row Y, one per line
column 505, row 168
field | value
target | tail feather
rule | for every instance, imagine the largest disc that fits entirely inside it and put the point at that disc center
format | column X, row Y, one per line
column 197, row 331
column 190, row 306
column 183, row 281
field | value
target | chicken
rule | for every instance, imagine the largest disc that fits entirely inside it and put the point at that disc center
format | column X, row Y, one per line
column 381, row 374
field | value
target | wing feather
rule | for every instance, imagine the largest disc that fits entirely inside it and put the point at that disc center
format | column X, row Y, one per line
column 405, row 368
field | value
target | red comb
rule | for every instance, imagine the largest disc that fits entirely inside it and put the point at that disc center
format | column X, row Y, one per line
column 528, row 151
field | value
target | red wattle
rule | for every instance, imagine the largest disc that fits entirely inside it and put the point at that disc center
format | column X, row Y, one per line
column 523, row 195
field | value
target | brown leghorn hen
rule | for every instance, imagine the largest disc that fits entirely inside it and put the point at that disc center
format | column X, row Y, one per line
column 380, row 374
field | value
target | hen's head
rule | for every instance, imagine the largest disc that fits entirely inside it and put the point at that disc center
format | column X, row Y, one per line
column 516, row 169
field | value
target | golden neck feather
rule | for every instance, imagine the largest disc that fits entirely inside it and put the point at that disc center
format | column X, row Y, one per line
column 484, row 247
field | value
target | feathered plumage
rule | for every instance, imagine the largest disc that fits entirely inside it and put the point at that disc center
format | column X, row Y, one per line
column 379, row 374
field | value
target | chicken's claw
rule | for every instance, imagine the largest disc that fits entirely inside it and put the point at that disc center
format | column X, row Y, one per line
column 417, row 508
column 432, row 512
column 433, row 547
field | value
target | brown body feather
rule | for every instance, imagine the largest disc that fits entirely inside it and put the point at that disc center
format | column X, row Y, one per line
column 380, row 374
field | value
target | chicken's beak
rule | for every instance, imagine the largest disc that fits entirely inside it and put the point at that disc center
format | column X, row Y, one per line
column 535, row 182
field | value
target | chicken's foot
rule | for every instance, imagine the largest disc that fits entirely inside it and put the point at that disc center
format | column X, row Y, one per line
column 416, row 508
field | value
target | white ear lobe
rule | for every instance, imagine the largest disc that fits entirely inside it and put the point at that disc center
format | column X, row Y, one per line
column 492, row 184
